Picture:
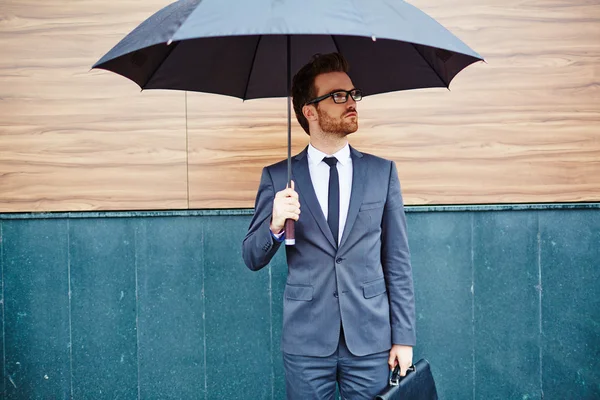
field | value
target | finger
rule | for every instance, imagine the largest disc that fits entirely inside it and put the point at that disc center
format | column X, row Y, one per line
column 288, row 208
column 280, row 194
column 291, row 202
column 292, row 211
column 291, row 193
column 392, row 362
column 293, row 216
column 287, row 193
column 404, row 368
column 284, row 197
column 292, row 189
column 402, row 371
column 292, row 207
column 285, row 209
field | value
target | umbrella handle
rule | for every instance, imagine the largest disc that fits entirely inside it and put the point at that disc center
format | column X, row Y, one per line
column 290, row 237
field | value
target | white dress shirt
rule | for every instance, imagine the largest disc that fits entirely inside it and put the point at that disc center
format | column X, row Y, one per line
column 319, row 174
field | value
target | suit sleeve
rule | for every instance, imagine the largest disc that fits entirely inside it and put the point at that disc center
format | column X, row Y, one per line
column 395, row 258
column 259, row 246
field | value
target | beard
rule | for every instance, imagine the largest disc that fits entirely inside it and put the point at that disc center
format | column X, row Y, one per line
column 338, row 126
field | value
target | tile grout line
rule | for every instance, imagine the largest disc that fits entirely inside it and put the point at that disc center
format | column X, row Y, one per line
column 473, row 298
column 3, row 318
column 137, row 309
column 271, row 330
column 204, row 316
column 70, row 307
column 539, row 261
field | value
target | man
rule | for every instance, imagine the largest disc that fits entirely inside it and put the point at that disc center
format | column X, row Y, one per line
column 348, row 312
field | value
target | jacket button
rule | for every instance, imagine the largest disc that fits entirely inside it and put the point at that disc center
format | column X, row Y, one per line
column 339, row 260
column 335, row 294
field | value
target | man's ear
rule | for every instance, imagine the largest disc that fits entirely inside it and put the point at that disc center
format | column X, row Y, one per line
column 310, row 112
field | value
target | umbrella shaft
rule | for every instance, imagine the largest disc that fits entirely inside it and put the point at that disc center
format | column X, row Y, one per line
column 290, row 236
column 289, row 89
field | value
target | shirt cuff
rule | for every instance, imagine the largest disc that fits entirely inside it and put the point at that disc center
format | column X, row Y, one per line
column 279, row 237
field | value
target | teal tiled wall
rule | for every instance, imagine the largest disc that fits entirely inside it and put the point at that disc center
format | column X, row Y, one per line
column 158, row 305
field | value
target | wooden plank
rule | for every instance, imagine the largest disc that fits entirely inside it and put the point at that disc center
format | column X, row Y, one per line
column 75, row 139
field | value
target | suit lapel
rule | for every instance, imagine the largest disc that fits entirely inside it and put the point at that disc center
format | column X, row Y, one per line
column 359, row 175
column 307, row 194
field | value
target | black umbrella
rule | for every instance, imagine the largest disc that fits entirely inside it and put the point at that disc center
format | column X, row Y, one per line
column 249, row 48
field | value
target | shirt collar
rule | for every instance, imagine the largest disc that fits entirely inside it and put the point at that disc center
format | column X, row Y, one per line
column 316, row 156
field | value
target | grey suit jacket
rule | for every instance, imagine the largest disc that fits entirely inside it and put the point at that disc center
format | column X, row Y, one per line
column 365, row 284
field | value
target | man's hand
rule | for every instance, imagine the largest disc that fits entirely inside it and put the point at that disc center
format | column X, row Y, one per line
column 400, row 354
column 285, row 206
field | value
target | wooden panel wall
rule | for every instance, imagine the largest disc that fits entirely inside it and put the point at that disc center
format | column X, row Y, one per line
column 522, row 128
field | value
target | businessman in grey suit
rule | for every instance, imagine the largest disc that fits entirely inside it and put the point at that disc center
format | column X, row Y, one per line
column 348, row 311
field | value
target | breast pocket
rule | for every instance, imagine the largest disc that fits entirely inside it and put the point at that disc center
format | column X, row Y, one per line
column 371, row 206
column 370, row 214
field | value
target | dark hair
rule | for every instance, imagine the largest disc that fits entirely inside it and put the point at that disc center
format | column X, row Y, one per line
column 303, row 86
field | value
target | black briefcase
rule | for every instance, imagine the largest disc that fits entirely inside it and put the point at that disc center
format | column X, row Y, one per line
column 418, row 384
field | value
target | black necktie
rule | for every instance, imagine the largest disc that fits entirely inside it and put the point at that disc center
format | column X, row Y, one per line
column 333, row 205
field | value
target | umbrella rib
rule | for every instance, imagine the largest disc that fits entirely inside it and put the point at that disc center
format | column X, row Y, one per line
column 172, row 47
column 336, row 44
column 446, row 85
column 251, row 67
column 169, row 42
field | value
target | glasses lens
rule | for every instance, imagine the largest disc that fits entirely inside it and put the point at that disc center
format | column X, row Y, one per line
column 356, row 94
column 340, row 97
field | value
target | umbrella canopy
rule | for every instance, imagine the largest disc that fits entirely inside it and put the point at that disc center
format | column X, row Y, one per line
column 248, row 49
column 241, row 48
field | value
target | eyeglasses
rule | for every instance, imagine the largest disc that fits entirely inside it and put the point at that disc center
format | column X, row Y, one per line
column 339, row 96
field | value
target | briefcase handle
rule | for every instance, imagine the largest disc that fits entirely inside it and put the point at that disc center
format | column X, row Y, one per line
column 395, row 377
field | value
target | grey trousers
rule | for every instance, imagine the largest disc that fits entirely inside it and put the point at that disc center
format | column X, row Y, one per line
column 314, row 378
